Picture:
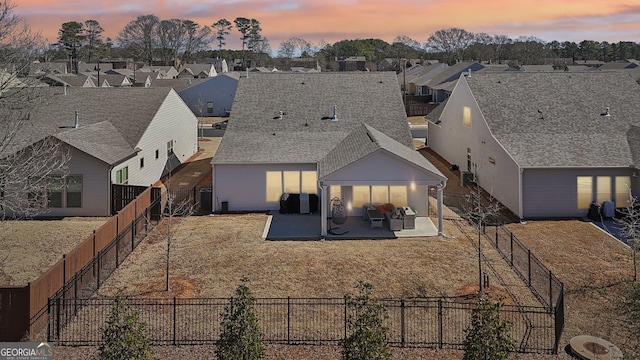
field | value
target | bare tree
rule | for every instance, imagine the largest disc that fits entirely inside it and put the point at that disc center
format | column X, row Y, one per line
column 140, row 36
column 629, row 227
column 197, row 39
column 403, row 39
column 287, row 49
column 452, row 42
column 32, row 164
column 479, row 209
column 171, row 36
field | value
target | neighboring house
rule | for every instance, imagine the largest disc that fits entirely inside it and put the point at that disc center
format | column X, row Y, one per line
column 114, row 136
column 318, row 133
column 161, row 72
column 37, row 68
column 93, row 67
column 80, row 80
column 220, row 65
column 416, row 83
column 213, row 96
column 113, row 80
column 439, row 85
column 546, row 145
column 177, row 84
column 618, row 65
column 352, row 63
column 197, row 71
column 537, row 68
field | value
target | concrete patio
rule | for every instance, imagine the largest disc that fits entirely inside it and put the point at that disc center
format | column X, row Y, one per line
column 308, row 226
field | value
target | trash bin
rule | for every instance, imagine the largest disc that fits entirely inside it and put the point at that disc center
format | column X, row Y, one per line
column 225, row 207
column 205, row 200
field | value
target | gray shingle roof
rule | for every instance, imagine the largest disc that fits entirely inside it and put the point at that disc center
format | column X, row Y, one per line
column 128, row 110
column 554, row 119
column 306, row 133
column 366, row 140
column 101, row 140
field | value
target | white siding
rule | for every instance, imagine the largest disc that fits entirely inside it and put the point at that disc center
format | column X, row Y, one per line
column 451, row 138
column 244, row 186
column 173, row 121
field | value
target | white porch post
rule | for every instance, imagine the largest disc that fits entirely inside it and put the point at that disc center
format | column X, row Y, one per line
column 323, row 211
column 440, row 188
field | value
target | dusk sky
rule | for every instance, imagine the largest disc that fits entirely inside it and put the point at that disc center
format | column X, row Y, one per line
column 335, row 20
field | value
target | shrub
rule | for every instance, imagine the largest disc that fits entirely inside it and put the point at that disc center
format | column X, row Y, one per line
column 487, row 337
column 125, row 336
column 368, row 339
column 240, row 337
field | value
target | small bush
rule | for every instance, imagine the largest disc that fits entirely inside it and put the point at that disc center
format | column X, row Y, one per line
column 487, row 338
column 240, row 338
column 125, row 336
column 368, row 339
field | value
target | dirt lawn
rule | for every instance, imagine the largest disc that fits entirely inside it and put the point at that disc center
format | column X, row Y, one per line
column 28, row 248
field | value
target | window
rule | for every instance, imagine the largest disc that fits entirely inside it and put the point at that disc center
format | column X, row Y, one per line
column 209, row 107
column 294, row 182
column 466, row 116
column 74, row 191
column 274, row 186
column 169, row 147
column 398, row 196
column 585, row 191
column 603, row 188
column 54, row 191
column 291, row 182
column 379, row 194
column 157, row 154
column 122, row 175
column 141, row 163
column 623, row 191
column 361, row 196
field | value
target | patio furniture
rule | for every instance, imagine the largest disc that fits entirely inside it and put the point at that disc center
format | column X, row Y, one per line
column 338, row 215
column 376, row 218
column 298, row 203
column 394, row 219
column 408, row 218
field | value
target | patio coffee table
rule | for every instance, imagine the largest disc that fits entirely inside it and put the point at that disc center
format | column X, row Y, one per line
column 376, row 218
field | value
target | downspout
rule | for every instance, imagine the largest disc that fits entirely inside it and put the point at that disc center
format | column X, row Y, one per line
column 214, row 204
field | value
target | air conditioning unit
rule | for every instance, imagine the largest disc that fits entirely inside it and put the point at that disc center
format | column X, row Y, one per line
column 467, row 178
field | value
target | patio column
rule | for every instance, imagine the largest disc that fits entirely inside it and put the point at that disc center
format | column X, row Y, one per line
column 440, row 188
column 323, row 211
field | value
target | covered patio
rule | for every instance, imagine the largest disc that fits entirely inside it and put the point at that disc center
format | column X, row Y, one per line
column 296, row 227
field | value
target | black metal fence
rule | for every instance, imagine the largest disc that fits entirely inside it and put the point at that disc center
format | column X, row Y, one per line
column 432, row 323
column 193, row 199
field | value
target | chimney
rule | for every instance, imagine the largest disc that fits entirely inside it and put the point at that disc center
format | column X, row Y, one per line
column 335, row 113
column 77, row 120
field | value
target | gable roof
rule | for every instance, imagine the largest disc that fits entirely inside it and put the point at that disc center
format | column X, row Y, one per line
column 555, row 119
column 306, row 133
column 451, row 73
column 127, row 111
column 365, row 140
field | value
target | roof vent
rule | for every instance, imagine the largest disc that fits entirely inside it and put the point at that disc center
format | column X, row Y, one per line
column 606, row 112
column 77, row 120
column 280, row 115
column 64, row 89
column 335, row 113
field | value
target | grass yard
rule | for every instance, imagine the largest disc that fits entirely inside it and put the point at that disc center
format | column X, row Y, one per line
column 210, row 254
column 30, row 247
column 593, row 267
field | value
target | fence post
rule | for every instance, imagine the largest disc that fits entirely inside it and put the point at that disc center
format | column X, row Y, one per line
column 288, row 319
column 64, row 270
column 49, row 320
column 402, row 323
column 345, row 317
column 529, row 264
column 511, row 249
column 440, row 323
column 58, row 318
column 550, row 290
column 98, row 272
column 117, row 249
column 75, row 293
column 195, row 201
column 497, row 247
column 174, row 321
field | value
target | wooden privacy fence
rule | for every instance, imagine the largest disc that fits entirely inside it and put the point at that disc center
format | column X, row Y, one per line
column 22, row 314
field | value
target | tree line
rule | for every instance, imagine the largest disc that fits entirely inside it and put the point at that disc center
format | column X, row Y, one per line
column 150, row 40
